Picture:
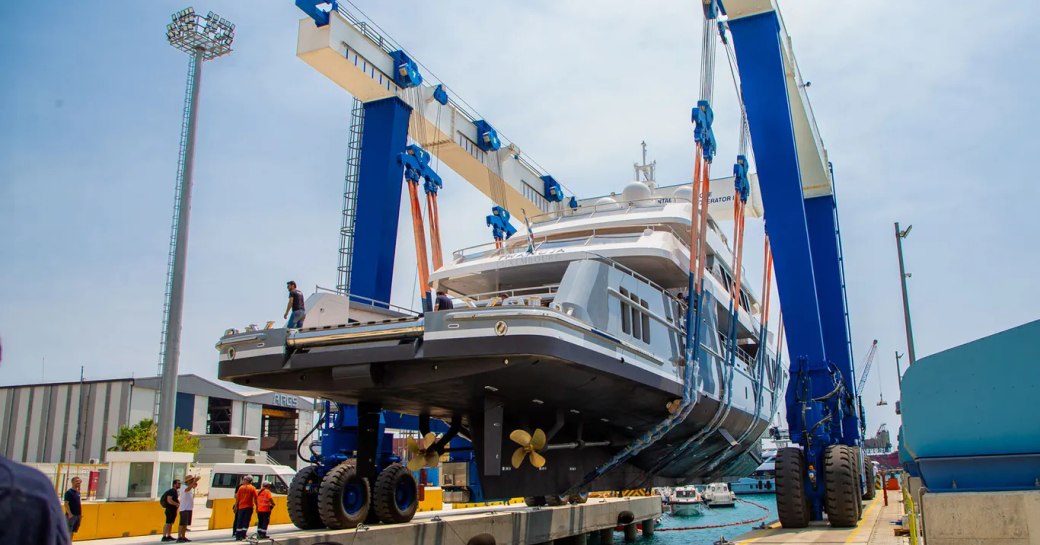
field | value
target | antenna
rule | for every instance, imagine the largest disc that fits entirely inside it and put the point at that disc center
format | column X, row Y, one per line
column 645, row 169
column 203, row 38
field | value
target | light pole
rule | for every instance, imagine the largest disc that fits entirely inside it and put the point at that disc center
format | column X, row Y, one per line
column 903, row 275
column 899, row 371
column 203, row 38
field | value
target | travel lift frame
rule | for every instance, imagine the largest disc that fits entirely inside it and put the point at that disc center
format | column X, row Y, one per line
column 825, row 473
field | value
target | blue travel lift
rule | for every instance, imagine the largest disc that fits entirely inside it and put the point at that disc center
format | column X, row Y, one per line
column 356, row 477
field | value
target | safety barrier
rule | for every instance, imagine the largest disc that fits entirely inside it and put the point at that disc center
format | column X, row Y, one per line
column 511, row 501
column 911, row 514
column 120, row 519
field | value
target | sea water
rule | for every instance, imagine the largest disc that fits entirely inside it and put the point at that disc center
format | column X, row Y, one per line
column 747, row 508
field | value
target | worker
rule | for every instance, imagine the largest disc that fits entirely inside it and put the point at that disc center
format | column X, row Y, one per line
column 245, row 500
column 170, row 505
column 264, row 506
column 443, row 302
column 295, row 307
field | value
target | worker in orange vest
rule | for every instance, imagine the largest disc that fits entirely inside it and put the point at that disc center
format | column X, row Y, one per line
column 264, row 506
column 245, row 500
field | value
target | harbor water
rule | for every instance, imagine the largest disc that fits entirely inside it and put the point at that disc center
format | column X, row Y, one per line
column 748, row 507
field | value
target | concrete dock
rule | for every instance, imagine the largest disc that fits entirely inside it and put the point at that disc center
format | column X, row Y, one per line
column 512, row 525
column 876, row 528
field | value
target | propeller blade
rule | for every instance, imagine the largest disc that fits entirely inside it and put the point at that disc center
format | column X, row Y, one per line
column 432, row 459
column 429, row 439
column 415, row 464
column 412, row 445
column 538, row 440
column 537, row 460
column 520, row 437
column 518, row 457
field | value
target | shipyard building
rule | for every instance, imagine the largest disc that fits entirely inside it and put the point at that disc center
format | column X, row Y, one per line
column 76, row 422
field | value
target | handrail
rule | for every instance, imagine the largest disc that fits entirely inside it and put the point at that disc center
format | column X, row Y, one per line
column 367, row 300
column 489, row 248
column 591, row 209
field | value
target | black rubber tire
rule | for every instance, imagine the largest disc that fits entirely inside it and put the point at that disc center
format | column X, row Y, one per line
column 579, row 498
column 556, row 500
column 534, row 501
column 842, row 501
column 330, row 498
column 792, row 504
column 302, row 501
column 870, row 490
column 384, row 497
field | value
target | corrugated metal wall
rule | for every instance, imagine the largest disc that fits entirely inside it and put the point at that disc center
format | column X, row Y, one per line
column 72, row 422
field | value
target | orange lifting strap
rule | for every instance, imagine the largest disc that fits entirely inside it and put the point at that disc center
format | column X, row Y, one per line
column 420, row 243
column 767, row 282
column 738, row 245
column 435, row 229
column 700, row 219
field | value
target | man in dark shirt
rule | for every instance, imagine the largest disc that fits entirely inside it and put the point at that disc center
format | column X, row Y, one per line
column 295, row 307
column 29, row 508
column 443, row 302
column 73, row 509
column 170, row 504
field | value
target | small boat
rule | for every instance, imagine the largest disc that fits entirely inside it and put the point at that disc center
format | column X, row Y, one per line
column 719, row 495
column 762, row 481
column 686, row 501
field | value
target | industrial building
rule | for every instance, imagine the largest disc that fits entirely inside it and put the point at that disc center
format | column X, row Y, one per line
column 76, row 422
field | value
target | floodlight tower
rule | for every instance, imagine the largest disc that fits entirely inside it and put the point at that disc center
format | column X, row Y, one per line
column 203, row 38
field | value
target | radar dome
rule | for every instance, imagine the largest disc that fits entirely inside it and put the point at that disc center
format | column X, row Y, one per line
column 684, row 193
column 636, row 191
column 607, row 203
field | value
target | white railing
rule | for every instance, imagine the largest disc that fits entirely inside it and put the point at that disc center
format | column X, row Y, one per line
column 519, row 244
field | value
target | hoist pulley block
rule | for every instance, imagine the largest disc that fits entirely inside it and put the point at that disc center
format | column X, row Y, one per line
column 499, row 223
column 741, row 184
column 487, row 137
column 406, row 72
column 552, row 190
column 703, row 117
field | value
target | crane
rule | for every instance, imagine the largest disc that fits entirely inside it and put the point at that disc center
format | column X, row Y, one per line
column 825, row 472
column 401, row 100
column 862, row 383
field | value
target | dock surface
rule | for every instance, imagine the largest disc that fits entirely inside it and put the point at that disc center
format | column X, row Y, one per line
column 876, row 528
column 511, row 524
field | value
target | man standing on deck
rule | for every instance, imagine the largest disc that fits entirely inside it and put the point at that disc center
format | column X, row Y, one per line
column 295, row 307
column 443, row 302
column 73, row 506
column 245, row 500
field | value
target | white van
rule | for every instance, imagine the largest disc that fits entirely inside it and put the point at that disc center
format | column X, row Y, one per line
column 226, row 478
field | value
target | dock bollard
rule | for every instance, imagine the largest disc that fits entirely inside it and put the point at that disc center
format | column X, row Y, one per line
column 606, row 536
column 630, row 532
column 648, row 528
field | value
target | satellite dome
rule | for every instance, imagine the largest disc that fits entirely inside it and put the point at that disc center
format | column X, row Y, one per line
column 636, row 191
column 607, row 203
column 684, row 193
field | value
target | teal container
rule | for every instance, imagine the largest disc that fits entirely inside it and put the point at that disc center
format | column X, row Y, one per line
column 971, row 414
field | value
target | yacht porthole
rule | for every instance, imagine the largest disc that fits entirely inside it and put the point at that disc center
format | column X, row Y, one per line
column 501, row 328
column 231, row 353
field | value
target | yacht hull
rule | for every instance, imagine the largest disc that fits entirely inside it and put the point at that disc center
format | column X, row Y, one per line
column 525, row 375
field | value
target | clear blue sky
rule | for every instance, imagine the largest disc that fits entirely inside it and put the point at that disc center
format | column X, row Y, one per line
column 928, row 113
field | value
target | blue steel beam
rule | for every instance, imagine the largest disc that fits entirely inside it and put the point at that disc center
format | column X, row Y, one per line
column 760, row 61
column 378, row 197
column 823, row 236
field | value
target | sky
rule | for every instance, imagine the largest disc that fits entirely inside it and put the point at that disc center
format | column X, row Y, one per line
column 927, row 112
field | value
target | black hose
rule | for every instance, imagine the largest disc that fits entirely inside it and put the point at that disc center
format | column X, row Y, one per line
column 300, row 444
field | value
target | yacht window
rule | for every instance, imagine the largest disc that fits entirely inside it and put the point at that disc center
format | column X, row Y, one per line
column 626, row 318
column 646, row 321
